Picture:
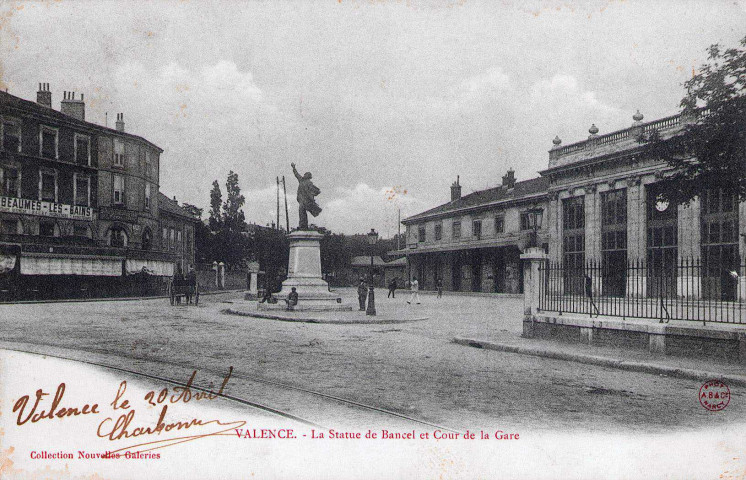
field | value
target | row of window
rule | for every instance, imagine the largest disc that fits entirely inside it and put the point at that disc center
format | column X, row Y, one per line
column 44, row 228
column 476, row 228
column 718, row 211
column 48, row 189
column 49, row 144
column 116, row 236
column 10, row 186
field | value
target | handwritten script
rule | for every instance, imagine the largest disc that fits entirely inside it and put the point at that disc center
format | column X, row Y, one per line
column 122, row 425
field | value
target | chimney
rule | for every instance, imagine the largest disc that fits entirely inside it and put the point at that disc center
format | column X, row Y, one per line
column 73, row 107
column 509, row 179
column 44, row 96
column 120, row 122
column 456, row 190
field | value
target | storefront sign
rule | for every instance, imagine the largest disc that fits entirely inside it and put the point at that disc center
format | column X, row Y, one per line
column 47, row 209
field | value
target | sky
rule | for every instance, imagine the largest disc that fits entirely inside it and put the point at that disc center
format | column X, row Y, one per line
column 385, row 102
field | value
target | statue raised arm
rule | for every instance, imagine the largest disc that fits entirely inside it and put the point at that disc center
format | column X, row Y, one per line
column 295, row 172
column 306, row 193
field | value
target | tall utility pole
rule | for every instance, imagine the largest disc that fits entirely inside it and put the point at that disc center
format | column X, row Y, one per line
column 287, row 217
column 398, row 231
column 278, row 202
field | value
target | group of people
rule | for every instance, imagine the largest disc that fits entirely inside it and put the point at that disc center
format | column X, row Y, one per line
column 362, row 293
column 414, row 297
column 290, row 302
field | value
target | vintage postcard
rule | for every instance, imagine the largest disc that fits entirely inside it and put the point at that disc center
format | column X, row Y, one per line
column 357, row 239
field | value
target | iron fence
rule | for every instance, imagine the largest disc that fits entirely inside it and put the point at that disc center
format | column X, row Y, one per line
column 689, row 289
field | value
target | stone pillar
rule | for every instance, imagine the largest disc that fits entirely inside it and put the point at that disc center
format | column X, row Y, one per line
column 253, row 280
column 532, row 259
column 221, row 275
column 689, row 231
column 592, row 207
column 636, row 220
column 636, row 237
column 553, row 223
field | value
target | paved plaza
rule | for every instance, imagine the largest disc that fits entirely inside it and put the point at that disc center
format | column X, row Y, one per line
column 413, row 368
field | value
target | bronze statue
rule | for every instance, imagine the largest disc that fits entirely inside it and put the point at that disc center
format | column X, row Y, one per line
column 306, row 191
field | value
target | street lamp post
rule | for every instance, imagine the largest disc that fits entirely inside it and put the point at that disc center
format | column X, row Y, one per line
column 372, row 239
column 535, row 217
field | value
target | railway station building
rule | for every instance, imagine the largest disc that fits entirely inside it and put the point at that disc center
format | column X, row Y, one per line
column 601, row 203
column 473, row 243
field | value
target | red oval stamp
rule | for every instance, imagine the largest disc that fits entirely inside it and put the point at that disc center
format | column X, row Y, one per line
column 714, row 395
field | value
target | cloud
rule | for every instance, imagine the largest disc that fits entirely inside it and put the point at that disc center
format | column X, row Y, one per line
column 493, row 82
column 565, row 89
column 569, row 107
column 224, row 77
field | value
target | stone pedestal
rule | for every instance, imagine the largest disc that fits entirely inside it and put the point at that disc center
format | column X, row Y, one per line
column 304, row 273
column 252, row 281
column 532, row 260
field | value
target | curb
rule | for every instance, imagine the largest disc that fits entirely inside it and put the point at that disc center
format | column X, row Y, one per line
column 269, row 316
column 630, row 366
column 110, row 299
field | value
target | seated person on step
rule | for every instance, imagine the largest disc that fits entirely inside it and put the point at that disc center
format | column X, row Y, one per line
column 292, row 299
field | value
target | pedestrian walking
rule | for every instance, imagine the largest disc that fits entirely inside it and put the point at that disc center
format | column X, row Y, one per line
column 362, row 294
column 392, row 288
column 415, row 297
column 439, row 285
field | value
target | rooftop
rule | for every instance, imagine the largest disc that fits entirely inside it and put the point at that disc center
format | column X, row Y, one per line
column 168, row 205
column 27, row 105
column 489, row 196
column 364, row 261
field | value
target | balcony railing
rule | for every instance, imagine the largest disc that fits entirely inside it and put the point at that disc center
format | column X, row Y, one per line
column 663, row 124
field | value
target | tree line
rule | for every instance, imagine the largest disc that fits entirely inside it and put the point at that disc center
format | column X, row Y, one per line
column 226, row 237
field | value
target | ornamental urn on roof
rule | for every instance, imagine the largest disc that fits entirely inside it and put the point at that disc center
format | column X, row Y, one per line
column 637, row 117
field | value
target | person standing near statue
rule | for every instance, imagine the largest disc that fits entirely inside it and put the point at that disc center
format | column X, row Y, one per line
column 362, row 294
column 306, row 203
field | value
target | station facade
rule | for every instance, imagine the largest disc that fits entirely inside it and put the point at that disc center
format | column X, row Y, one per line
column 80, row 207
column 473, row 243
column 601, row 201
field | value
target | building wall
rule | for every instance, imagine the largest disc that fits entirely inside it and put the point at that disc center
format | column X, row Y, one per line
column 141, row 168
column 466, row 251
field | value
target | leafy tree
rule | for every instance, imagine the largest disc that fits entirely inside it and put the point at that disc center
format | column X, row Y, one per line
column 233, row 216
column 216, row 202
column 710, row 152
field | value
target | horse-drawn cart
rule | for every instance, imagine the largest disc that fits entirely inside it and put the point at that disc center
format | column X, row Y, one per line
column 183, row 287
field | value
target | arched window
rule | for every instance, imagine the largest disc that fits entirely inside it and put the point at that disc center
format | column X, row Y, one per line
column 147, row 240
column 49, row 228
column 11, row 226
column 82, row 230
column 117, row 237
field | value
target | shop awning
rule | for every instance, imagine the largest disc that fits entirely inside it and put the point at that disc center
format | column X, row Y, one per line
column 50, row 264
column 7, row 262
column 153, row 267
